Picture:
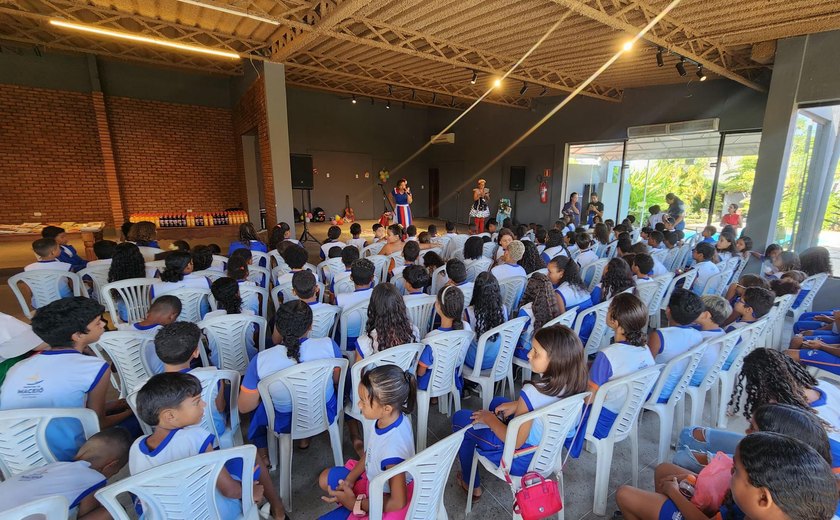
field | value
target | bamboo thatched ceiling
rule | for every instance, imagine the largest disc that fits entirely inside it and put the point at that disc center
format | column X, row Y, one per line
column 425, row 51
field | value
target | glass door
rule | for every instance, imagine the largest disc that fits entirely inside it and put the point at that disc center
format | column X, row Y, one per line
column 731, row 204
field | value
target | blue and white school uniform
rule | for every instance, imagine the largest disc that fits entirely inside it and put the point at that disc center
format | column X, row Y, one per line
column 586, row 257
column 253, row 245
column 73, row 480
column 508, row 271
column 368, row 344
column 574, row 296
column 286, row 278
column 643, row 279
column 705, row 270
column 271, row 361
column 54, row 379
column 427, row 359
column 540, row 249
column 354, row 327
column 724, row 256
column 70, row 256
column 709, row 356
column 409, row 296
column 152, row 359
column 63, row 287
column 491, row 348
column 617, row 360
column 658, row 268
column 551, row 252
column 674, row 341
column 482, row 438
column 187, row 282
column 325, row 248
column 252, row 301
column 398, row 270
column 100, row 263
column 339, row 277
column 709, row 240
column 737, row 324
column 179, row 444
column 523, row 345
column 358, row 243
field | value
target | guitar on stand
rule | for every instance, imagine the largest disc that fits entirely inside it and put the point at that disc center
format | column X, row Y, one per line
column 349, row 214
column 388, row 209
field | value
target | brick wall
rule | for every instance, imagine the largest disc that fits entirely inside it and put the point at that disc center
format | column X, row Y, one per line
column 54, row 156
column 50, row 160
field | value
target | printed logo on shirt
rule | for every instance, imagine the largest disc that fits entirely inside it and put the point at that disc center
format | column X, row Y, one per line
column 33, row 476
column 34, row 387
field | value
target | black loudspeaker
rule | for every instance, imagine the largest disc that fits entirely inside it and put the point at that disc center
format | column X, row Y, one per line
column 302, row 172
column 517, row 178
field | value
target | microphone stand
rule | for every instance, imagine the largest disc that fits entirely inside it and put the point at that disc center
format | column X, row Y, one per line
column 386, row 203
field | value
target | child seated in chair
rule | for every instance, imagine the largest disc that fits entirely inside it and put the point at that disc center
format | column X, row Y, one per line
column 348, row 256
column 100, row 458
column 68, row 253
column 164, row 310
column 63, row 376
column 449, row 307
column 47, row 254
column 709, row 323
column 171, row 402
column 415, row 280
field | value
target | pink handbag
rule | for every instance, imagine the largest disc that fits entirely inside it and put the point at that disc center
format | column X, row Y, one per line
column 537, row 498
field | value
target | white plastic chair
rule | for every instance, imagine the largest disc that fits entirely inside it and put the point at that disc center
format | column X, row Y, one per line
column 248, row 291
column 647, row 291
column 662, row 282
column 260, row 259
column 439, row 279
column 420, row 311
column 220, row 262
column 599, row 328
column 448, row 350
column 45, row 286
column 286, row 290
column 541, row 271
column 455, row 247
column 98, row 276
column 716, row 283
column 686, row 363
column 488, row 249
column 749, row 340
column 345, row 285
column 275, row 259
column 372, row 249
column 502, row 368
column 259, row 275
column 154, row 267
column 683, row 257
column 783, row 305
column 467, row 289
column 399, row 283
column 210, row 274
column 127, row 351
column 697, row 394
column 813, row 284
column 403, row 356
column 610, row 250
column 593, row 272
column 567, row 319
column 687, row 279
column 512, row 289
column 228, row 335
column 636, row 386
column 357, row 311
column 134, row 293
column 423, row 252
column 192, row 300
column 477, row 267
column 308, row 384
column 183, row 489
column 659, row 254
column 23, row 437
column 399, row 261
column 558, row 420
column 380, row 266
column 323, row 321
column 50, row 508
column 330, row 268
column 430, row 470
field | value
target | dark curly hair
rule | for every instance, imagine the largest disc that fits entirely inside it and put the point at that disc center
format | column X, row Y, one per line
column 632, row 316
column 617, row 278
column 293, row 321
column 226, row 292
column 176, row 262
column 540, row 294
column 769, row 376
column 202, row 257
column 126, row 263
column 531, row 261
column 473, row 248
column 571, row 271
column 388, row 316
column 815, row 260
column 487, row 303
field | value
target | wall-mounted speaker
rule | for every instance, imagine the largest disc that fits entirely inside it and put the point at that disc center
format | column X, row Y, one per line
column 517, row 178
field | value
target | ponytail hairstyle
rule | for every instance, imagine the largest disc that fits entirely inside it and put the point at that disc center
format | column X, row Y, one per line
column 451, row 302
column 540, row 294
column 248, row 233
column 293, row 321
column 175, row 262
column 487, row 303
column 566, row 373
column 632, row 316
column 277, row 235
column 389, row 385
column 617, row 278
column 237, row 267
column 226, row 292
column 571, row 272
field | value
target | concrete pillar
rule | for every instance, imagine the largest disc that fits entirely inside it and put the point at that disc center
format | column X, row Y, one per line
column 278, row 189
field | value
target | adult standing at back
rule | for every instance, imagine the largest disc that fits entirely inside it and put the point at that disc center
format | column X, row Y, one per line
column 572, row 208
column 480, row 209
column 731, row 218
column 676, row 210
column 595, row 209
column 401, row 196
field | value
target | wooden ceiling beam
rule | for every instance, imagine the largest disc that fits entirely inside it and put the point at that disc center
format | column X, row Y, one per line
column 668, row 33
column 330, row 13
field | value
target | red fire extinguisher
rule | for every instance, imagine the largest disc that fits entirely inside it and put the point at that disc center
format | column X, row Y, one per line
column 543, row 192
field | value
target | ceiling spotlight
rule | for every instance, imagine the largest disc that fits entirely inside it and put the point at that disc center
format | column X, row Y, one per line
column 474, row 78
column 700, row 73
column 544, row 90
column 523, row 89
column 353, row 99
column 388, row 104
column 660, row 61
column 497, row 83
column 681, row 66
column 628, row 45
column 390, row 90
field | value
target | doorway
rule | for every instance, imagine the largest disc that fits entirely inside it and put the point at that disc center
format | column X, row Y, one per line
column 434, row 192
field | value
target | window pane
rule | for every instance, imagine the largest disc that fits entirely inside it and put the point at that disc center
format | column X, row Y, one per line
column 735, row 184
column 595, row 167
column 830, row 233
column 802, row 149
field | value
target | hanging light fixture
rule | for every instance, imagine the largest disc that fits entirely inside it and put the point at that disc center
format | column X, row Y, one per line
column 523, row 89
column 388, row 104
column 474, row 78
column 700, row 73
column 660, row 60
column 681, row 66
column 353, row 99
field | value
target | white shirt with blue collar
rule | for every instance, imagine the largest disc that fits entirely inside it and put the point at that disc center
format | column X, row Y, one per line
column 389, row 446
column 674, row 341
